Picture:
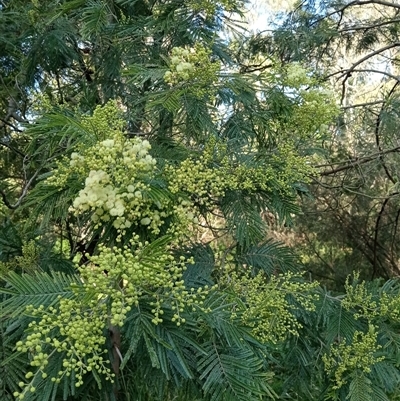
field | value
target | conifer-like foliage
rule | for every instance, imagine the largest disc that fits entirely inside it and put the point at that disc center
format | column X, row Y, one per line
column 143, row 162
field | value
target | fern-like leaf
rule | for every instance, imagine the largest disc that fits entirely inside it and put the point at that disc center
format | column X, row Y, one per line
column 232, row 374
column 270, row 257
column 360, row 388
column 244, row 217
column 38, row 289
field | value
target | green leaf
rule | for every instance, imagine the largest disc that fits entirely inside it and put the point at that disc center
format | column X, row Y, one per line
column 270, row 257
column 151, row 351
column 199, row 273
column 244, row 218
column 38, row 289
column 360, row 388
column 237, row 373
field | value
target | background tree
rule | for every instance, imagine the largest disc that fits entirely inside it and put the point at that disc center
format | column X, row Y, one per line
column 354, row 221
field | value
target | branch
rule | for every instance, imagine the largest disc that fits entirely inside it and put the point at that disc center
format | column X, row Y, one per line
column 358, row 3
column 395, row 77
column 362, row 240
column 347, row 74
column 368, row 56
column 5, row 122
column 363, row 104
column 356, row 162
column 11, row 113
column 23, row 194
column 366, row 27
column 376, row 231
column 6, row 145
column 394, row 237
column 377, row 133
column 253, row 67
column 380, row 2
column 18, row 118
column 115, row 337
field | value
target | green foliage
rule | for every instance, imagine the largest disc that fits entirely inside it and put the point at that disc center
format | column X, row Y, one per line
column 359, row 356
column 266, row 308
column 269, row 257
column 146, row 165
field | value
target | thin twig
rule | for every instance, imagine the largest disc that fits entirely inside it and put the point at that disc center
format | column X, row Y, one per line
column 345, row 165
column 23, row 194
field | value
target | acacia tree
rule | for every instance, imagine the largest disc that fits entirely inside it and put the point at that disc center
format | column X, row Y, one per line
column 143, row 159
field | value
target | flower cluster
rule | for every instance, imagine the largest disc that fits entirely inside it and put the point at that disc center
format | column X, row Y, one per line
column 366, row 305
column 195, row 177
column 297, row 76
column 112, row 284
column 315, row 111
column 390, row 306
column 208, row 177
column 314, row 106
column 115, row 189
column 141, row 268
column 115, row 186
column 358, row 297
column 75, row 329
column 105, row 119
column 28, row 262
column 267, row 310
column 359, row 355
column 289, row 167
column 194, row 66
